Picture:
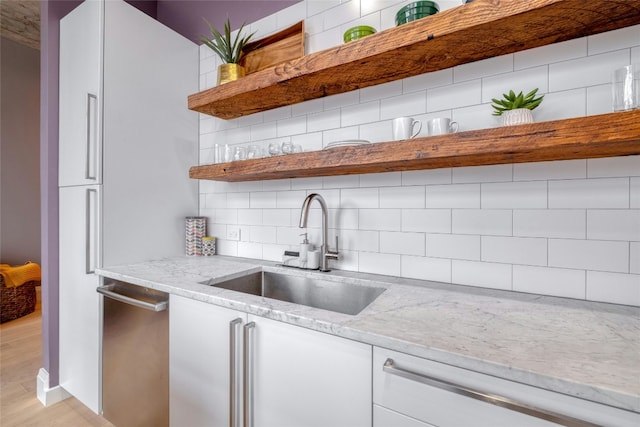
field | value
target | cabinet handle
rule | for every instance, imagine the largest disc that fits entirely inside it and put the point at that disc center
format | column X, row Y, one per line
column 233, row 371
column 91, row 223
column 92, row 137
column 391, row 368
column 249, row 330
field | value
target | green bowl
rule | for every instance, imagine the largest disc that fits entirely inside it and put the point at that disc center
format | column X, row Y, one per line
column 417, row 10
column 358, row 32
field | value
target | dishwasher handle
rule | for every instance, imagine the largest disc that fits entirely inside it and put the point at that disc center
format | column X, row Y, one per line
column 107, row 291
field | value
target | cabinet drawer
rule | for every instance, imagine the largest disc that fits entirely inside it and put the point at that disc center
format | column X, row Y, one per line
column 403, row 388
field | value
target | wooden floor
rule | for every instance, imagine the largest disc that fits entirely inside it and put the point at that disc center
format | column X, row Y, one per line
column 20, row 360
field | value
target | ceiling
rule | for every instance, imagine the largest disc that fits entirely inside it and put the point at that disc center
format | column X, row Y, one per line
column 20, row 21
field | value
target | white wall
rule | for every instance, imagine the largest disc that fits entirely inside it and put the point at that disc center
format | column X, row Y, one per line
column 566, row 228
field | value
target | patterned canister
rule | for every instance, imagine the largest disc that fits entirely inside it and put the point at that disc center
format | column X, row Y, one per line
column 208, row 246
column 195, row 230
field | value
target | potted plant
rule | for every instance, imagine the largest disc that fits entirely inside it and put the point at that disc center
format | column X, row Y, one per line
column 516, row 109
column 229, row 51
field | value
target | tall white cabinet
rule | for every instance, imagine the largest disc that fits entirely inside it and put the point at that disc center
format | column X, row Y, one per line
column 126, row 143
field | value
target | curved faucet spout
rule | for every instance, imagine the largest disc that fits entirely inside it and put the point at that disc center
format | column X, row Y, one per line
column 326, row 253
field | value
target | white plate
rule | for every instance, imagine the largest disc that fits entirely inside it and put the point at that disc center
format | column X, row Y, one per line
column 346, row 143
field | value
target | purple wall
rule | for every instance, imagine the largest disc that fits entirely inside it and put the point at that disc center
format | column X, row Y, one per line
column 185, row 17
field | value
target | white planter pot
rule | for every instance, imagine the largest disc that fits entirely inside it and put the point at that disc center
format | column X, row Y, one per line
column 519, row 116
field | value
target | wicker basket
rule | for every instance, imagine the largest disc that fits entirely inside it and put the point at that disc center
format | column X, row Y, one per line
column 17, row 301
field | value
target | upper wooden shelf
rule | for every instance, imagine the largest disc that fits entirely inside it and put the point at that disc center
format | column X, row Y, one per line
column 471, row 32
column 607, row 135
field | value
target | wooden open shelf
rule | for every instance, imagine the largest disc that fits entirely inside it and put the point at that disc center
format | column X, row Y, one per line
column 606, row 135
column 471, row 32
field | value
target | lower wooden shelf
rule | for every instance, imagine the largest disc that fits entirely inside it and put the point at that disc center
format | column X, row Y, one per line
column 606, row 135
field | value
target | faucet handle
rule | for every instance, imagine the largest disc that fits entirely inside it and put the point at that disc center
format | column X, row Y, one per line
column 336, row 243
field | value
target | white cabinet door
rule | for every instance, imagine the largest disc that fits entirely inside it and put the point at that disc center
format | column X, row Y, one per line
column 438, row 394
column 79, row 302
column 383, row 417
column 80, row 95
column 199, row 363
column 304, row 378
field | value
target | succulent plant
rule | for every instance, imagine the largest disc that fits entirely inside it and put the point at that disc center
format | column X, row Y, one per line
column 229, row 51
column 511, row 101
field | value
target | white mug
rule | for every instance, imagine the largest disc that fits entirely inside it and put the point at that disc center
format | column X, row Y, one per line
column 404, row 128
column 441, row 126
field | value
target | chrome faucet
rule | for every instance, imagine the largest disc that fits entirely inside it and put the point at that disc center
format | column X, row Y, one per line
column 325, row 252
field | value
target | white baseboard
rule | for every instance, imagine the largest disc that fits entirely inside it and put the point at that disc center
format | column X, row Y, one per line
column 46, row 395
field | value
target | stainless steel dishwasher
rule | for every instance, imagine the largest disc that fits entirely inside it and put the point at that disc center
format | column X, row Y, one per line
column 135, row 355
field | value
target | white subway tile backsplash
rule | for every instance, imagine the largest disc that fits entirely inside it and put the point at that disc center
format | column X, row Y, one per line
column 359, row 240
column 250, row 217
column 376, row 132
column 481, row 274
column 345, row 181
column 614, row 40
column 610, row 167
column 557, row 223
column 549, row 281
column 486, row 222
column 427, row 177
column 428, row 80
column 402, row 197
column 402, row 243
column 538, row 171
column 453, row 246
column 549, row 54
column 262, row 234
column 565, row 228
column 514, row 250
column 455, row 96
column 290, row 199
column 385, row 90
column 571, row 74
column 599, row 100
column 277, row 217
column 404, row 105
column 293, row 126
column 562, row 105
column 238, row 200
column 249, row 250
column 378, row 263
column 589, row 255
column 621, row 224
column 634, row 193
column 486, row 67
column 389, row 179
column 589, row 193
column 426, row 220
column 359, row 197
column 380, row 219
column 613, row 288
column 422, row 268
column 365, row 113
column 515, row 195
column 520, row 81
column 265, row 199
column 453, row 196
column 474, row 117
column 634, row 255
column 492, row 173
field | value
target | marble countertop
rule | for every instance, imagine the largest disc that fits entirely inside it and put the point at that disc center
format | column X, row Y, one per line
column 584, row 349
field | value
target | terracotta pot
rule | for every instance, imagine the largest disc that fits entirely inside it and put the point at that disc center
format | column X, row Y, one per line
column 519, row 116
column 230, row 72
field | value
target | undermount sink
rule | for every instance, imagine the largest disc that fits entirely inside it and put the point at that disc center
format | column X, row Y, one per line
column 325, row 294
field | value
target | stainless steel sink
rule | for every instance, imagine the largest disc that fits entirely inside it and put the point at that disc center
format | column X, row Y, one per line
column 325, row 294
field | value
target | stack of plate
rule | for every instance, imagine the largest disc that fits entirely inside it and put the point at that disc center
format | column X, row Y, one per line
column 358, row 32
column 416, row 10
